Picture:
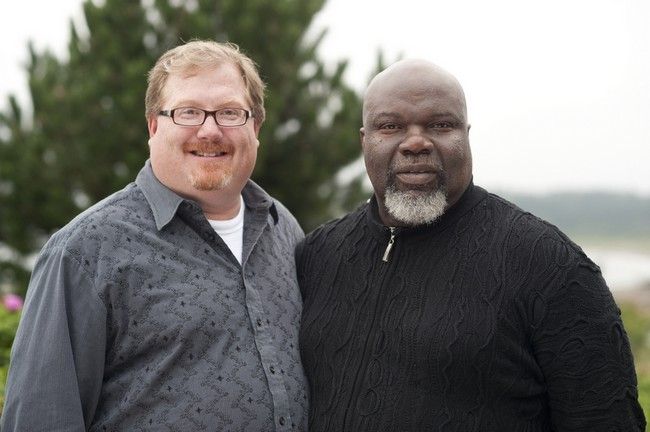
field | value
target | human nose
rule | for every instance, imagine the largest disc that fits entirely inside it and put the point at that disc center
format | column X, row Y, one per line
column 416, row 142
column 209, row 128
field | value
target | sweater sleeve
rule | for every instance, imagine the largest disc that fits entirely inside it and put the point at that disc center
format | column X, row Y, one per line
column 584, row 353
column 57, row 359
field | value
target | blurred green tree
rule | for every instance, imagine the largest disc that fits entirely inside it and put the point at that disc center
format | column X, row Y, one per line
column 87, row 135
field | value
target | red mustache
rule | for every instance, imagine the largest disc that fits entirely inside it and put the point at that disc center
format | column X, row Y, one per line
column 203, row 147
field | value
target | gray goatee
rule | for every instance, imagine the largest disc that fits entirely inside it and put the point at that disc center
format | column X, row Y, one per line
column 414, row 209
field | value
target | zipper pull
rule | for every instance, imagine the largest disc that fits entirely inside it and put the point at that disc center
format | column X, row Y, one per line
column 389, row 246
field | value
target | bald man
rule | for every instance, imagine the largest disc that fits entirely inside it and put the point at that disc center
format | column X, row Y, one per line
column 438, row 306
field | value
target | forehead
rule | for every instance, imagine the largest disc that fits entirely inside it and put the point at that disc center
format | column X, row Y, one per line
column 206, row 85
column 416, row 92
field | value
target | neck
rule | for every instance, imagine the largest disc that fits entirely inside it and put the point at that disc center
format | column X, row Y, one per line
column 220, row 208
column 217, row 204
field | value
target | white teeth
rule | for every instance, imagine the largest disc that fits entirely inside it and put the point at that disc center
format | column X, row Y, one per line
column 207, row 154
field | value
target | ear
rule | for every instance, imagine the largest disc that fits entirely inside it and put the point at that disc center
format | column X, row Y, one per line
column 152, row 125
column 362, row 137
column 257, row 126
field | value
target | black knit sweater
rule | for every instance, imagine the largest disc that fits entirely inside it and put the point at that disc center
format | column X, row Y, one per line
column 487, row 320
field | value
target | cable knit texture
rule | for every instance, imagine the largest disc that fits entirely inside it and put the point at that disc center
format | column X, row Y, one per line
column 487, row 320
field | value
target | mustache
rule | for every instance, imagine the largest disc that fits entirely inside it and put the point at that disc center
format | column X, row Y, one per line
column 420, row 160
column 208, row 147
column 417, row 164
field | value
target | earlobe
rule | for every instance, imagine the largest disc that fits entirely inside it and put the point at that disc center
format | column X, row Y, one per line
column 362, row 135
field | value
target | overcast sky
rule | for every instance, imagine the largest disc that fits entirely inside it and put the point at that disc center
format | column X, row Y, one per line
column 558, row 91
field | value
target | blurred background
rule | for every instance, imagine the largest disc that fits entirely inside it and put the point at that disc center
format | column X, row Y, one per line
column 558, row 96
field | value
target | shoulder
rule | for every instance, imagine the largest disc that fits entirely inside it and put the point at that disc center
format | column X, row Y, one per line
column 76, row 258
column 284, row 216
column 335, row 230
column 284, row 226
column 278, row 215
column 538, row 251
column 524, row 227
column 340, row 225
column 102, row 224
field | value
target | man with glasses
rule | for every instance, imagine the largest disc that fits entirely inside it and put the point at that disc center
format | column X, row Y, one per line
column 172, row 304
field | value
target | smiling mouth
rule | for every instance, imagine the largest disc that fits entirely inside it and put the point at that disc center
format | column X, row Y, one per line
column 206, row 154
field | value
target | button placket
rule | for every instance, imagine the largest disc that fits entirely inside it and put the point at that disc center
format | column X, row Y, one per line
column 265, row 342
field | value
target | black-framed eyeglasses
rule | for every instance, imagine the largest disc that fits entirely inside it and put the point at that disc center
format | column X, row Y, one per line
column 190, row 116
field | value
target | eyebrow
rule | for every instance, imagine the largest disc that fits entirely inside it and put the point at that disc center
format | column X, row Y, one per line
column 398, row 115
column 387, row 114
column 221, row 104
column 384, row 115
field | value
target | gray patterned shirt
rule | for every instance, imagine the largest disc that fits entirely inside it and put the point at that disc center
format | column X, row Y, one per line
column 139, row 318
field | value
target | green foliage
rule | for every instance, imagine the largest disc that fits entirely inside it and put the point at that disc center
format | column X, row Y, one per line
column 87, row 136
column 637, row 326
column 8, row 326
column 644, row 394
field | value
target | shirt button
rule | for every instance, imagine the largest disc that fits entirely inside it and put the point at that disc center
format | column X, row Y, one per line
column 281, row 421
column 272, row 369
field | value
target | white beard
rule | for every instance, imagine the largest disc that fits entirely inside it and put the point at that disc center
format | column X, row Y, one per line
column 415, row 210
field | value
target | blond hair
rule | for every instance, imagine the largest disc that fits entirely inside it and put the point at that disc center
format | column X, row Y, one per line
column 203, row 54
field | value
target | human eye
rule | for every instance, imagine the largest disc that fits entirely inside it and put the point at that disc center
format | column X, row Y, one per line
column 389, row 126
column 442, row 125
column 230, row 113
column 188, row 113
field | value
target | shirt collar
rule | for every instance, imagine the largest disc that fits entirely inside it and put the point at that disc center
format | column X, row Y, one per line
column 164, row 202
column 256, row 198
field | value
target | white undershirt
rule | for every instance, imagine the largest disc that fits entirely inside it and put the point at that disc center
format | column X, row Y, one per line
column 231, row 231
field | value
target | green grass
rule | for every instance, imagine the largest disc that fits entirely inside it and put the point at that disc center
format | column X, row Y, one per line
column 637, row 326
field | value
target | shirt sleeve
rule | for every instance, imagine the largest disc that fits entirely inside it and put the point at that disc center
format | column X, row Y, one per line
column 57, row 359
column 584, row 353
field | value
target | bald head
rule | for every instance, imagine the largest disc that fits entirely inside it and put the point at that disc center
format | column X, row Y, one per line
column 413, row 73
column 415, row 140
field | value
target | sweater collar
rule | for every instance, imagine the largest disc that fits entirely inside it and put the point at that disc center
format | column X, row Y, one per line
column 468, row 200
